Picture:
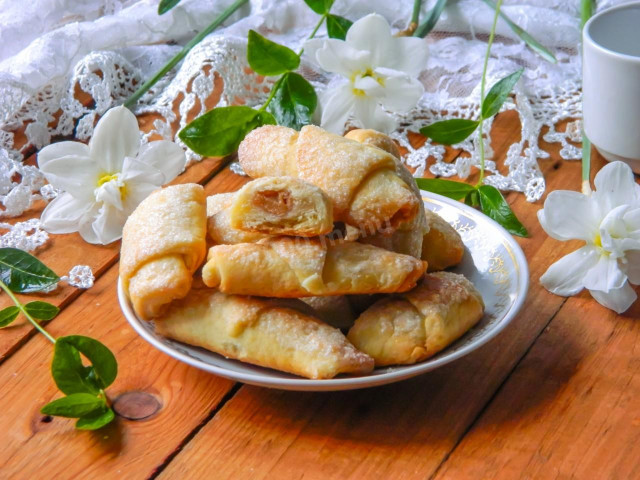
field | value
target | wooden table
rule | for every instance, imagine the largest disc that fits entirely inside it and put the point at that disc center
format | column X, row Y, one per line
column 556, row 395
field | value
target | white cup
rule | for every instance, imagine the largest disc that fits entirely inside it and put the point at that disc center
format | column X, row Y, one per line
column 611, row 83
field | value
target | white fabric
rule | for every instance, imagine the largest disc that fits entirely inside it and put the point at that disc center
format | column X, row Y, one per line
column 51, row 49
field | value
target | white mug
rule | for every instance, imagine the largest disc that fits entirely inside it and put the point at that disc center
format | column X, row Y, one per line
column 611, row 83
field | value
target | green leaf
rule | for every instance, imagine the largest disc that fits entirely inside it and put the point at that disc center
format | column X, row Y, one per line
column 450, row 131
column 337, row 26
column 23, row 273
column 71, row 376
column 166, row 5
column 96, row 420
column 74, row 406
column 432, row 18
column 320, row 6
column 219, row 131
column 525, row 37
column 294, row 102
column 270, row 58
column 472, row 199
column 448, row 188
column 103, row 361
column 495, row 206
column 41, row 310
column 499, row 93
column 8, row 315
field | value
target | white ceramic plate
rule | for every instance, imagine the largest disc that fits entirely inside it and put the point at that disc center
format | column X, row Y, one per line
column 493, row 262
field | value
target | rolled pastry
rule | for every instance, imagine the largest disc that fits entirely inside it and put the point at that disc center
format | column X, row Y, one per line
column 442, row 245
column 264, row 332
column 282, row 206
column 408, row 237
column 219, row 222
column 334, row 310
column 303, row 267
column 420, row 323
column 360, row 180
column 163, row 243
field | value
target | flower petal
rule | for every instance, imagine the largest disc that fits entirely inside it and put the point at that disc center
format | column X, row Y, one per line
column 67, row 166
column 135, row 194
column 116, row 136
column 336, row 107
column 65, row 214
column 565, row 277
column 410, row 55
column 605, row 275
column 619, row 300
column 166, row 156
column 134, row 171
column 369, row 85
column 401, row 92
column 370, row 114
column 569, row 215
column 108, row 224
column 632, row 266
column 615, row 186
column 110, row 193
column 372, row 33
column 338, row 57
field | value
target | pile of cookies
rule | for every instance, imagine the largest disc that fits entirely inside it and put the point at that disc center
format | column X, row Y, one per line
column 330, row 236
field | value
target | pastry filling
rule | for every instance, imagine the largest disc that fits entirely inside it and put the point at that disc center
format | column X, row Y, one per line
column 275, row 202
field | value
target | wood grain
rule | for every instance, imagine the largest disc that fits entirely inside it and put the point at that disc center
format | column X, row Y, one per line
column 570, row 410
column 35, row 446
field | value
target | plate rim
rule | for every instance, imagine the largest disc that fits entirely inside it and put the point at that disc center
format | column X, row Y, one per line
column 348, row 383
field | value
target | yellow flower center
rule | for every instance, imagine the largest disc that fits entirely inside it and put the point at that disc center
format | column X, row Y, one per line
column 367, row 73
column 598, row 241
column 107, row 178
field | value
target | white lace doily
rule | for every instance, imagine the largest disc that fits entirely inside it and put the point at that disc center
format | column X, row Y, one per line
column 54, row 52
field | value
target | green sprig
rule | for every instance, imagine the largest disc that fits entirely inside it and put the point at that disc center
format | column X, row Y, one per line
column 455, row 130
column 83, row 385
column 291, row 101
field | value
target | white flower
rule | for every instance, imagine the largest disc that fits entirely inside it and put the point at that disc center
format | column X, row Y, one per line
column 103, row 182
column 380, row 71
column 608, row 220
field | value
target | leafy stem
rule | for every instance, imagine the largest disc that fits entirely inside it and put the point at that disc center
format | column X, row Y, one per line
column 483, row 82
column 586, row 11
column 82, row 384
column 272, row 94
column 131, row 101
column 24, row 311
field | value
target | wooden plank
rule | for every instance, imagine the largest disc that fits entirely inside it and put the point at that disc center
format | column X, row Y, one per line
column 403, row 430
column 64, row 251
column 571, row 407
column 34, row 445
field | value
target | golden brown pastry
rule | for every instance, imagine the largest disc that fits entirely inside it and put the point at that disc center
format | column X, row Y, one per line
column 302, row 267
column 282, row 206
column 375, row 139
column 163, row 243
column 442, row 246
column 360, row 180
column 407, row 238
column 264, row 332
column 219, row 222
column 334, row 310
column 419, row 323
